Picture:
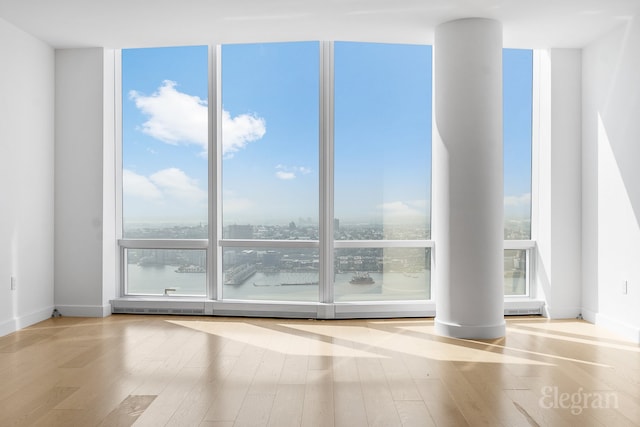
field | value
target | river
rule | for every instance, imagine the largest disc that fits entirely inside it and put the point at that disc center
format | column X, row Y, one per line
column 283, row 286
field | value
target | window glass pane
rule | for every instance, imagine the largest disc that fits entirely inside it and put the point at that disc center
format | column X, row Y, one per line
column 281, row 274
column 382, row 274
column 382, row 141
column 518, row 99
column 515, row 269
column 166, row 271
column 164, row 142
column 270, row 98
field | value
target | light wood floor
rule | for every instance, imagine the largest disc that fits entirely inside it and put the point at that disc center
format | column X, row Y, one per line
column 197, row 371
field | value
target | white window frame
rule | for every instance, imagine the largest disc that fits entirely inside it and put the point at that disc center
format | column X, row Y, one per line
column 326, row 307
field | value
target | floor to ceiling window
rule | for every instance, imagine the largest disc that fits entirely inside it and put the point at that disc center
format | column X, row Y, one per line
column 165, row 169
column 382, row 110
column 517, row 124
column 309, row 137
column 270, row 178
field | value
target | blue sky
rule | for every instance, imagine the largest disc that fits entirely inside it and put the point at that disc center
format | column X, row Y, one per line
column 273, row 179
column 270, row 132
column 164, row 169
column 382, row 132
column 517, row 105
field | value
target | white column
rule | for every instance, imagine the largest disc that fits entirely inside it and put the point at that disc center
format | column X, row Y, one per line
column 468, row 187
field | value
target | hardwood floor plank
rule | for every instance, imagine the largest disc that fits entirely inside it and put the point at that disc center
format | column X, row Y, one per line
column 216, row 424
column 288, row 402
column 21, row 340
column 128, row 411
column 318, row 407
column 165, row 404
column 490, row 382
column 226, row 404
column 349, row 404
column 378, row 400
column 414, row 413
column 440, row 404
column 193, row 408
column 401, row 385
column 57, row 418
column 255, row 410
column 34, row 407
column 528, row 403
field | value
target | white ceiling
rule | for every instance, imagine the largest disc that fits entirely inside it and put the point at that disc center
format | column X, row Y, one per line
column 140, row 23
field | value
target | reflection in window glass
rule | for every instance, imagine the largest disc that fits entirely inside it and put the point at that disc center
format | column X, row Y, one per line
column 382, row 141
column 518, row 101
column 280, row 274
column 382, row 274
column 164, row 142
column 270, row 98
column 166, row 271
column 515, row 269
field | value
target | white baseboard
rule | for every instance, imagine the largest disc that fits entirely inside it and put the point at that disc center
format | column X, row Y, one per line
column 623, row 329
column 85, row 310
column 453, row 330
column 27, row 320
column 588, row 315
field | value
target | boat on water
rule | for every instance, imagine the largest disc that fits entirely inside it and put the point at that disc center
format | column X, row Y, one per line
column 190, row 269
column 360, row 278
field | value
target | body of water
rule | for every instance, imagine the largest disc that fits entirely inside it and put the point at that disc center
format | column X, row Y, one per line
column 282, row 286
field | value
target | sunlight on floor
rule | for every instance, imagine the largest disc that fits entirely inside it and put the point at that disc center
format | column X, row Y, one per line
column 270, row 339
column 329, row 339
column 575, row 331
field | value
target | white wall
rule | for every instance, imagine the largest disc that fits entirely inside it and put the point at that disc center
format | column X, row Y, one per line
column 557, row 177
column 84, row 262
column 26, row 178
column 611, row 180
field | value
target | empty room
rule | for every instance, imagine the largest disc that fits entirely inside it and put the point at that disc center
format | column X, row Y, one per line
column 185, row 240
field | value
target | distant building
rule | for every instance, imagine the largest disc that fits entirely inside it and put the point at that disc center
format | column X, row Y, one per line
column 271, row 259
column 236, row 231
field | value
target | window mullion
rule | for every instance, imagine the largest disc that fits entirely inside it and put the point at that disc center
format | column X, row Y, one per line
column 214, row 259
column 121, row 288
column 326, row 172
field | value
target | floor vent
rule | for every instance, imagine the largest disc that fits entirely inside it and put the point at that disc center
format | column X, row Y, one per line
column 137, row 310
column 522, row 311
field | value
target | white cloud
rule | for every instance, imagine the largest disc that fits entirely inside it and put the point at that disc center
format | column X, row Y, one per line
column 174, row 117
column 290, row 172
column 139, row 186
column 237, row 205
column 285, row 175
column 176, row 184
column 240, row 130
column 164, row 185
column 404, row 209
column 518, row 201
column 177, row 118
